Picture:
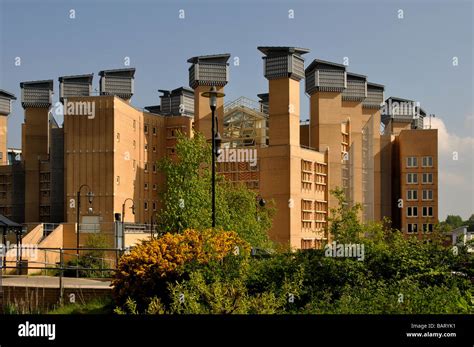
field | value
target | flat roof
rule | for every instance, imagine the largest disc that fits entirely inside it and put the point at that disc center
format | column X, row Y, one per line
column 282, row 49
column 49, row 83
column 375, row 85
column 316, row 62
column 77, row 77
column 224, row 57
column 6, row 94
column 129, row 71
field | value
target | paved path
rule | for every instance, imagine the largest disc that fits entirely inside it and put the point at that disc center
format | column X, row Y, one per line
column 52, row 282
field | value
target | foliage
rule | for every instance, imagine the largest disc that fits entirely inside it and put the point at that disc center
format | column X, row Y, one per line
column 187, row 197
column 95, row 259
column 149, row 267
column 96, row 306
column 344, row 224
column 398, row 275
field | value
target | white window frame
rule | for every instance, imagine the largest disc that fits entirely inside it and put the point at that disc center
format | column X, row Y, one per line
column 427, row 209
column 427, row 198
column 413, row 176
column 427, row 161
column 413, row 192
column 412, row 162
column 408, row 228
column 411, row 211
column 427, row 174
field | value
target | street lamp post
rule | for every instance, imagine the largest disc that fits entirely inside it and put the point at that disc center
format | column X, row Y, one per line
column 90, row 196
column 123, row 219
column 213, row 94
column 123, row 208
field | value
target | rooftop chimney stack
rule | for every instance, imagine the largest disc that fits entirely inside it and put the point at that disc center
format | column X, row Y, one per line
column 207, row 71
column 356, row 87
column 177, row 102
column 78, row 85
column 36, row 99
column 119, row 82
column 37, row 94
column 284, row 69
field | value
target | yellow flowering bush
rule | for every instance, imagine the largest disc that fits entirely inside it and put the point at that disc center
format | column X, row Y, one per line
column 149, row 267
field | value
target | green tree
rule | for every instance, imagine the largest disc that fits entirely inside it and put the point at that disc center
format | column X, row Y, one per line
column 345, row 226
column 187, row 197
column 454, row 221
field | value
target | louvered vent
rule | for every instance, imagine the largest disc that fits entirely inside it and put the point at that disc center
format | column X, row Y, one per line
column 325, row 77
column 36, row 93
column 374, row 96
column 71, row 86
column 117, row 82
column 356, row 88
column 209, row 70
column 283, row 62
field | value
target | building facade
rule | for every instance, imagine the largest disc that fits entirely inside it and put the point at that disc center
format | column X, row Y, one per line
column 110, row 148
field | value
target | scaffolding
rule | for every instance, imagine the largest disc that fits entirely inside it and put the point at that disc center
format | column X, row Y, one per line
column 245, row 123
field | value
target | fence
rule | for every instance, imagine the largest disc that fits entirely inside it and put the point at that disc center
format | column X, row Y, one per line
column 65, row 265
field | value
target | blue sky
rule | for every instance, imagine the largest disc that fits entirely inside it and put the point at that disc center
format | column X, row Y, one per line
column 412, row 56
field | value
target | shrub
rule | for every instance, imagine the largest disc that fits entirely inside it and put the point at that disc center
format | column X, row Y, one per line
column 147, row 270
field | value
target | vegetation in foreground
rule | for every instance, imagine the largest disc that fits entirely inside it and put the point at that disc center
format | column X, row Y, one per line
column 191, row 269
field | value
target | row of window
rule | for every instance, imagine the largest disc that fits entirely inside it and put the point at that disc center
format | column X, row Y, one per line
column 412, row 178
column 425, row 161
column 413, row 227
column 145, row 205
column 412, row 194
column 412, row 211
column 145, row 128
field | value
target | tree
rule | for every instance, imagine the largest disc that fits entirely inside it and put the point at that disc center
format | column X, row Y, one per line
column 454, row 221
column 345, row 226
column 187, row 197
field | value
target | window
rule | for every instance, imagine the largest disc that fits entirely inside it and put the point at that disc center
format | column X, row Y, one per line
column 154, row 206
column 134, row 124
column 154, row 168
column 428, row 228
column 427, row 178
column 154, row 148
column 118, row 179
column 154, row 187
column 146, row 147
column 412, row 211
column 412, row 162
column 134, row 144
column 306, row 244
column 146, row 186
column 154, row 131
column 427, row 161
column 412, row 195
column 146, row 205
column 427, row 211
column 412, row 178
column 427, row 195
column 411, row 227
column 118, row 137
column 146, row 167
column 146, row 129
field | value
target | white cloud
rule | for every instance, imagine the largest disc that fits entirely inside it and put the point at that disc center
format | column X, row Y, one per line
column 456, row 177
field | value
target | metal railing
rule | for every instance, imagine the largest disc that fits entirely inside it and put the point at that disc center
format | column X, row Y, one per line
column 62, row 266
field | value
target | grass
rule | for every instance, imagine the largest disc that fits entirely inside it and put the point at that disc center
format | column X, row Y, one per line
column 96, row 306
